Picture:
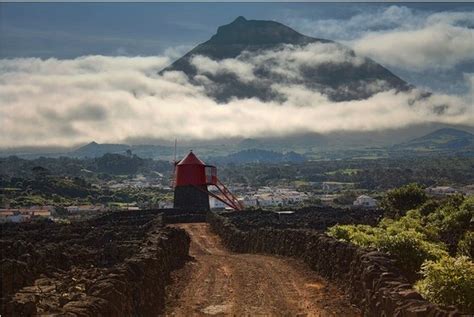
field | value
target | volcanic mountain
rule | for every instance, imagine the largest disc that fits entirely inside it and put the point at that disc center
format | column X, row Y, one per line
column 253, row 58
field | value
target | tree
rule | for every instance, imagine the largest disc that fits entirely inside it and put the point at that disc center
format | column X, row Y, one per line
column 397, row 202
column 40, row 172
column 346, row 198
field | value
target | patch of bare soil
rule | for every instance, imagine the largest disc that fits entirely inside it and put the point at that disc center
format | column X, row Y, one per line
column 222, row 283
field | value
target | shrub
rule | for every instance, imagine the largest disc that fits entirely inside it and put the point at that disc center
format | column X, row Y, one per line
column 340, row 232
column 429, row 207
column 449, row 281
column 453, row 218
column 419, row 241
column 408, row 247
column 411, row 221
column 410, row 250
column 362, row 235
column 466, row 245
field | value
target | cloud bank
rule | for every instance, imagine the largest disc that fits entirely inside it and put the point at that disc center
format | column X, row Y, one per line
column 443, row 42
column 401, row 37
column 110, row 99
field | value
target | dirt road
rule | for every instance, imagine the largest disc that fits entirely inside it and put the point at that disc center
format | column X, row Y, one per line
column 221, row 283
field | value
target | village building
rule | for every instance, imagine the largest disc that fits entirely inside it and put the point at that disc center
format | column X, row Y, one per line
column 165, row 204
column 468, row 190
column 365, row 201
column 215, row 203
column 85, row 208
column 25, row 214
column 440, row 191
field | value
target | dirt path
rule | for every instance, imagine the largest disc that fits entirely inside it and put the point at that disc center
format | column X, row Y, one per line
column 222, row 283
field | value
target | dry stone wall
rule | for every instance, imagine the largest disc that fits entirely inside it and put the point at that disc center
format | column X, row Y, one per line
column 371, row 278
column 116, row 265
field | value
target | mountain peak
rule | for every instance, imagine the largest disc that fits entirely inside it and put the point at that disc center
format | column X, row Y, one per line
column 256, row 32
column 339, row 81
column 240, row 19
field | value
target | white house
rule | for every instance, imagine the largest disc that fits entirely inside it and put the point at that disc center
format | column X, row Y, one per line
column 440, row 190
column 268, row 200
column 216, row 203
column 249, row 201
column 85, row 208
column 365, row 201
column 165, row 204
column 468, row 190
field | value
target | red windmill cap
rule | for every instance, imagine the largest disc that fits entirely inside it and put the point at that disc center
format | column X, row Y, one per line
column 191, row 159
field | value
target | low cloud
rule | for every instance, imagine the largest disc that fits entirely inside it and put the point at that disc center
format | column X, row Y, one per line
column 346, row 29
column 440, row 44
column 205, row 65
column 110, row 99
column 401, row 37
column 288, row 61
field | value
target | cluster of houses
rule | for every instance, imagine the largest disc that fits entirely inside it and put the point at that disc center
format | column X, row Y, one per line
column 25, row 214
column 440, row 191
column 268, row 197
column 33, row 213
column 282, row 196
column 365, row 201
column 263, row 197
column 139, row 181
column 260, row 198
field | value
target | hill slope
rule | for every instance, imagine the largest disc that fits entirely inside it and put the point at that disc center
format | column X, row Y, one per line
column 259, row 156
column 446, row 139
column 268, row 53
column 94, row 149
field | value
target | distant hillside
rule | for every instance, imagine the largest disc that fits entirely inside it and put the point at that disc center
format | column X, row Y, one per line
column 446, row 139
column 259, row 156
column 113, row 164
column 95, row 149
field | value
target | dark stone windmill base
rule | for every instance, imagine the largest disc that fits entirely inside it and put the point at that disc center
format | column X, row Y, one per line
column 191, row 198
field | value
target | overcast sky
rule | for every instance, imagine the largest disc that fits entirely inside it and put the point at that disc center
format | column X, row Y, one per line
column 89, row 57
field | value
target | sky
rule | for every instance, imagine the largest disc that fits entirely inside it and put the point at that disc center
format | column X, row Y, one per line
column 71, row 71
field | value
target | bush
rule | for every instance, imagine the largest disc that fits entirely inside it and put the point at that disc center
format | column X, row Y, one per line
column 453, row 219
column 362, row 235
column 410, row 250
column 408, row 247
column 429, row 207
column 414, row 221
column 397, row 202
column 419, row 241
column 449, row 281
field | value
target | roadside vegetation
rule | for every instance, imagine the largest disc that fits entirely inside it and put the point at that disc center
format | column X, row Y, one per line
column 431, row 239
